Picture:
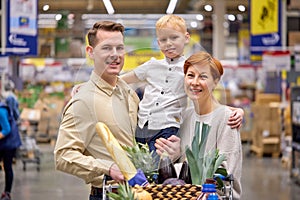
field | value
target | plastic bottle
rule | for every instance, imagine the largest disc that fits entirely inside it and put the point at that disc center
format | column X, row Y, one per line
column 213, row 196
column 208, row 192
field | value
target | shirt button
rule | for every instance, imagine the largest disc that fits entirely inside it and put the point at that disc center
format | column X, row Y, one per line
column 162, row 92
column 156, row 104
column 170, row 69
column 167, row 81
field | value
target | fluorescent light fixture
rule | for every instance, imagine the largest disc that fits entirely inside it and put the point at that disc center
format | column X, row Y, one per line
column 58, row 17
column 242, row 8
column 109, row 7
column 46, row 7
column 208, row 8
column 171, row 6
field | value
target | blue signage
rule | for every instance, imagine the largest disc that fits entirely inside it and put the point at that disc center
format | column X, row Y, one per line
column 22, row 28
column 265, row 27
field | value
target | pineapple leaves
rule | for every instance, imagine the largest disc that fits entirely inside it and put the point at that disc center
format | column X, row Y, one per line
column 195, row 171
column 203, row 164
column 124, row 193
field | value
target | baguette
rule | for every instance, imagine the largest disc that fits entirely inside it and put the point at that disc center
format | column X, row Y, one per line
column 116, row 151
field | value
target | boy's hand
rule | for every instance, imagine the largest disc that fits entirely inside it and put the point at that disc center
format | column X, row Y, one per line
column 236, row 118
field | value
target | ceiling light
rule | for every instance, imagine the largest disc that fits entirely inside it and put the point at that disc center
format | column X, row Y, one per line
column 46, row 7
column 242, row 8
column 58, row 17
column 171, row 6
column 231, row 17
column 199, row 17
column 109, row 7
column 194, row 24
column 208, row 8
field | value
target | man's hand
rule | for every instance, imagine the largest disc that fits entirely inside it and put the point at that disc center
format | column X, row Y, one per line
column 115, row 173
column 1, row 136
column 236, row 118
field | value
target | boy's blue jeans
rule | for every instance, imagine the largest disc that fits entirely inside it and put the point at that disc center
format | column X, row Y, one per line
column 148, row 136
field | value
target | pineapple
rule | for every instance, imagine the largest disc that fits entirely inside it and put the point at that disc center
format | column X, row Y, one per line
column 203, row 165
column 143, row 159
column 124, row 193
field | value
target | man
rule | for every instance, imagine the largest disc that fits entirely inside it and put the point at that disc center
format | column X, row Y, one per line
column 104, row 98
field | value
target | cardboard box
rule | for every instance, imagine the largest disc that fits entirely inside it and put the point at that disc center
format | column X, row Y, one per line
column 31, row 114
column 294, row 38
column 265, row 98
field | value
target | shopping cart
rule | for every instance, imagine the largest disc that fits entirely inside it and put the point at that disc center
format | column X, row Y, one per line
column 29, row 152
column 107, row 188
column 226, row 192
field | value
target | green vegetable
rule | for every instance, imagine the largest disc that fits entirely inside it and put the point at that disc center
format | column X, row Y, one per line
column 203, row 165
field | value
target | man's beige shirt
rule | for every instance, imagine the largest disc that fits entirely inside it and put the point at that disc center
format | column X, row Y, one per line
column 79, row 150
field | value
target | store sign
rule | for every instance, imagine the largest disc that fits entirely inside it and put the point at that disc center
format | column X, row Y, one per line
column 21, row 30
column 265, row 27
column 276, row 61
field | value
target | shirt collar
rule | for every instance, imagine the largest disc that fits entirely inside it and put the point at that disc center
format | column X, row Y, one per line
column 174, row 60
column 102, row 84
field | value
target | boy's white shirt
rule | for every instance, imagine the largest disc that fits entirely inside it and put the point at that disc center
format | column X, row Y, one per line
column 164, row 96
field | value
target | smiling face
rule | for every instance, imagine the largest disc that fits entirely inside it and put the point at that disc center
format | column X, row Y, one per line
column 172, row 41
column 108, row 54
column 199, row 82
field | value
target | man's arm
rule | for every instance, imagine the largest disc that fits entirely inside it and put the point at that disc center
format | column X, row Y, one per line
column 74, row 135
column 236, row 118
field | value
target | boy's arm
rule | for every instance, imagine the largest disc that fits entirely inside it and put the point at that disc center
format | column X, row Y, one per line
column 130, row 77
column 236, row 118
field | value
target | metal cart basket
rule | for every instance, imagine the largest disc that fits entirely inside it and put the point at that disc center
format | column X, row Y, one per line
column 29, row 152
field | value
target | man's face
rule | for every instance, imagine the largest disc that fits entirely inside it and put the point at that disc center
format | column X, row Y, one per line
column 108, row 54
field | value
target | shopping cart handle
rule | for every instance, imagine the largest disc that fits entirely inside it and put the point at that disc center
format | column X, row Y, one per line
column 222, row 177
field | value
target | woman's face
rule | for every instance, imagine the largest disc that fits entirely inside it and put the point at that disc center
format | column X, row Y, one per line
column 199, row 82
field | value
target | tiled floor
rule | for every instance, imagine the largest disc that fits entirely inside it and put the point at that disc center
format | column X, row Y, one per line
column 263, row 178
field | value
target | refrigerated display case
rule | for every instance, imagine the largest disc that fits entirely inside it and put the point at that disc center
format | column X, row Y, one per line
column 295, row 115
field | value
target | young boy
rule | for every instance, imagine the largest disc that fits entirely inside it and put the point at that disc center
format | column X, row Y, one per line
column 164, row 100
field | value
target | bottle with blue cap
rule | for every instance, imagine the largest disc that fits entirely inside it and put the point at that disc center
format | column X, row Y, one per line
column 208, row 192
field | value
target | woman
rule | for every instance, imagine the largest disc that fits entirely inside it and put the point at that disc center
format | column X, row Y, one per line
column 202, row 74
column 9, row 142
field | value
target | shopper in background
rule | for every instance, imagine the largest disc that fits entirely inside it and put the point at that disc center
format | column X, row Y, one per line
column 11, row 99
column 202, row 74
column 104, row 98
column 164, row 100
column 9, row 142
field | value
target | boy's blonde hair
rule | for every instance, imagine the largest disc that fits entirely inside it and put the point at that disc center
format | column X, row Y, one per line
column 171, row 20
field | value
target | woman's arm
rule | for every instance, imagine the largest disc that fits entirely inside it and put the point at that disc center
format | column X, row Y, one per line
column 4, row 123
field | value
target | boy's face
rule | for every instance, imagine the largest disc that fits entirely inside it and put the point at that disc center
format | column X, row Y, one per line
column 171, row 41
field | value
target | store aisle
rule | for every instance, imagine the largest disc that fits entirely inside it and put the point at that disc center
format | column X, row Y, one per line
column 263, row 178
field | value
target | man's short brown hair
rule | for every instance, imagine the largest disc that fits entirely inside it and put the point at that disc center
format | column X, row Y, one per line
column 103, row 25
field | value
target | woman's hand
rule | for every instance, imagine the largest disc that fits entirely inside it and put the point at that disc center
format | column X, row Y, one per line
column 236, row 118
column 170, row 145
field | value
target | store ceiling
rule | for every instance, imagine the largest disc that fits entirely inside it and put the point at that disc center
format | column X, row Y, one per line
column 134, row 6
